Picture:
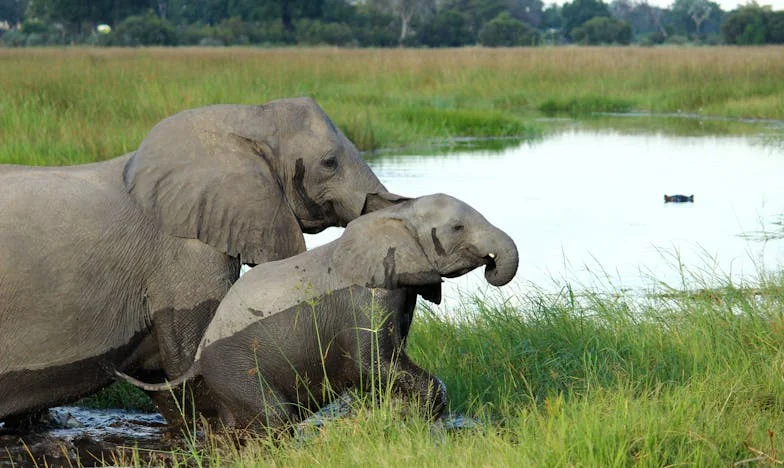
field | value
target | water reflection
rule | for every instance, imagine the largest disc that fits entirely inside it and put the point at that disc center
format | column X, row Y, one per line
column 586, row 207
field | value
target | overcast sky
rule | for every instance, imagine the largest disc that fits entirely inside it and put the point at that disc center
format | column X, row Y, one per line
column 726, row 5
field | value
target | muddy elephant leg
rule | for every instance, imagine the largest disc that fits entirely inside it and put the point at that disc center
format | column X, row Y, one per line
column 262, row 410
column 178, row 334
column 408, row 381
column 426, row 390
column 186, row 404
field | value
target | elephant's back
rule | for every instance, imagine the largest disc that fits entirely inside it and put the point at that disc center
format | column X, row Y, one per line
column 67, row 240
column 52, row 198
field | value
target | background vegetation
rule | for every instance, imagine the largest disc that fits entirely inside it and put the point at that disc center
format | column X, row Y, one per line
column 382, row 23
column 565, row 380
column 597, row 379
column 80, row 105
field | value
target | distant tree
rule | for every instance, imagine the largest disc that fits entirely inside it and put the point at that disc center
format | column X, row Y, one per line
column 249, row 10
column 406, row 11
column 292, row 10
column 577, row 12
column 622, row 9
column 209, row 12
column 448, row 28
column 13, row 11
column 699, row 12
column 745, row 26
column 603, row 30
column 80, row 18
column 147, row 29
column 551, row 17
column 315, row 32
column 527, row 11
column 775, row 27
column 647, row 21
column 212, row 12
column 479, row 12
column 505, row 31
column 696, row 17
column 339, row 11
column 373, row 27
column 655, row 15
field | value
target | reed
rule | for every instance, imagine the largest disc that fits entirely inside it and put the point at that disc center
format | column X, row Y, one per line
column 73, row 105
column 596, row 379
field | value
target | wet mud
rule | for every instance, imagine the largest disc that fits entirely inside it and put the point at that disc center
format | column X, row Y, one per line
column 71, row 436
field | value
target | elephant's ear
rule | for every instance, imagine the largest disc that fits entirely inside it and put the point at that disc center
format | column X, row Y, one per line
column 198, row 177
column 381, row 252
column 381, row 200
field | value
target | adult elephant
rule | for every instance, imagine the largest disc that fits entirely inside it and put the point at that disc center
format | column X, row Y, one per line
column 122, row 263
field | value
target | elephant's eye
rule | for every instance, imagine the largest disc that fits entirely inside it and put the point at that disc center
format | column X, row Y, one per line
column 457, row 227
column 330, row 162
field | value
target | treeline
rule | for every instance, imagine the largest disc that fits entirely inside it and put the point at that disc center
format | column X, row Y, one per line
column 381, row 23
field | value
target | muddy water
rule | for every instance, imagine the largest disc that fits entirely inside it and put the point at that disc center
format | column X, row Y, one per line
column 70, row 436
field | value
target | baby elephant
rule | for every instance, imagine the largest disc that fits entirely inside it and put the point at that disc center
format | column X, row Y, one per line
column 292, row 333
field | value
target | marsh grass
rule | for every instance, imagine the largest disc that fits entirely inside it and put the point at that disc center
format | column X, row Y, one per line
column 567, row 379
column 75, row 105
column 692, row 378
column 119, row 395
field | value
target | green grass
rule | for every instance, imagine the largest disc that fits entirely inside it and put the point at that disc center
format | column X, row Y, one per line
column 588, row 380
column 119, row 395
column 676, row 378
column 585, row 105
column 74, row 105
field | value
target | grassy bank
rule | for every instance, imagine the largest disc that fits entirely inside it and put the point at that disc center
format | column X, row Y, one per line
column 692, row 379
column 598, row 380
column 64, row 106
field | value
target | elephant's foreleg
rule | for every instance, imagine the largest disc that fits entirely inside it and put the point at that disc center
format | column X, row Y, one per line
column 412, row 382
column 262, row 409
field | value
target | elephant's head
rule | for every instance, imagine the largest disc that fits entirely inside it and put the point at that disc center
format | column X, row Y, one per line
column 418, row 241
column 249, row 180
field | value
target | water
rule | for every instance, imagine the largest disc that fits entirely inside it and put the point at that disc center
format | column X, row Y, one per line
column 72, row 436
column 586, row 208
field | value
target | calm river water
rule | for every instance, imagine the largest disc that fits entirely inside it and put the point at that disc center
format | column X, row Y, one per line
column 586, row 208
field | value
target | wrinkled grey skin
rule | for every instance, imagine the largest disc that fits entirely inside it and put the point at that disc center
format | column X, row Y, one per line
column 286, row 328
column 121, row 264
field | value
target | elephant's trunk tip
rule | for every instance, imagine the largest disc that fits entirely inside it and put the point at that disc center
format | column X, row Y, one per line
column 500, row 269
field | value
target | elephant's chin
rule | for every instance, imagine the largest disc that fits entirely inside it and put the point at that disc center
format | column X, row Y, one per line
column 309, row 226
column 460, row 272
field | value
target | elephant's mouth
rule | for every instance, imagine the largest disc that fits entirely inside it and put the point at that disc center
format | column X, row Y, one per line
column 487, row 260
column 326, row 217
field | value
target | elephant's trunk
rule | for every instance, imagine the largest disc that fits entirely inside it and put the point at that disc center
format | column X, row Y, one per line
column 501, row 256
